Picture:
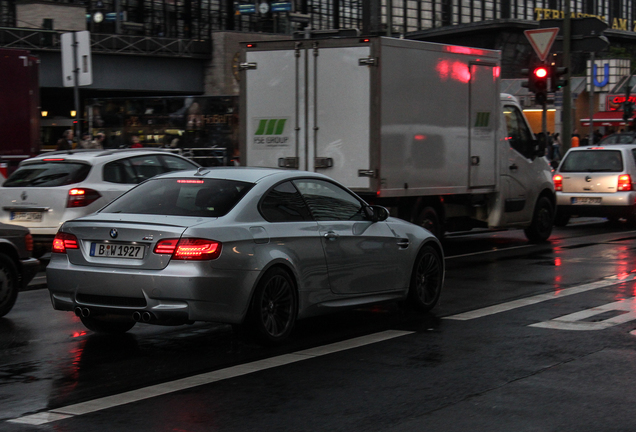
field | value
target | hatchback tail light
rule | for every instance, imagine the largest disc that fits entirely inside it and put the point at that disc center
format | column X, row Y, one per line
column 64, row 241
column 28, row 242
column 624, row 183
column 558, row 182
column 189, row 249
column 81, row 197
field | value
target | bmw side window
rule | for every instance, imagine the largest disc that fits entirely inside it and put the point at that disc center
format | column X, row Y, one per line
column 284, row 204
column 146, row 167
column 329, row 202
column 172, row 163
column 519, row 136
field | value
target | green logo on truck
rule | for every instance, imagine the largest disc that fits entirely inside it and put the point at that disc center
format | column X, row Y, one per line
column 271, row 132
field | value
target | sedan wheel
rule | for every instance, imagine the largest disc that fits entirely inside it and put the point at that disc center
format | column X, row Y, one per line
column 108, row 327
column 426, row 280
column 274, row 307
column 8, row 284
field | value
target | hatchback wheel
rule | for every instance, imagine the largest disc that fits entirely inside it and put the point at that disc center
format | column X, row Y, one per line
column 109, row 327
column 8, row 284
column 274, row 307
column 426, row 279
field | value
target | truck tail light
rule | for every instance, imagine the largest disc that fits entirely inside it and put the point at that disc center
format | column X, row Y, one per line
column 64, row 241
column 189, row 249
column 81, row 197
column 558, row 182
column 624, row 183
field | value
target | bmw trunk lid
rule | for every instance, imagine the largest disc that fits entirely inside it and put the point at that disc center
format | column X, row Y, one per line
column 124, row 244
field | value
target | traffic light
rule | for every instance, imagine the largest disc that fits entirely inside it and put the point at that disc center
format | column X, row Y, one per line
column 557, row 78
column 538, row 80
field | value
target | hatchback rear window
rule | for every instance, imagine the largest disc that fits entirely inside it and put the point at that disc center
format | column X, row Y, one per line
column 593, row 161
column 48, row 174
column 181, row 197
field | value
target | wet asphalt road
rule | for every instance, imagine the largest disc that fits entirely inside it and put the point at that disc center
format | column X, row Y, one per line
column 536, row 359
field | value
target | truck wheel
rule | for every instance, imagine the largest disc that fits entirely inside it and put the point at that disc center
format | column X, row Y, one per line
column 8, row 284
column 429, row 219
column 426, row 280
column 542, row 219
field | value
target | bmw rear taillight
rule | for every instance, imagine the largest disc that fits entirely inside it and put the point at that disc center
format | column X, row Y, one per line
column 64, row 241
column 81, row 197
column 189, row 249
column 624, row 183
column 558, row 182
column 28, row 242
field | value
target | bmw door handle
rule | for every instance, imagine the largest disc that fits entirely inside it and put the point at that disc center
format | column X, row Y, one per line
column 403, row 243
column 330, row 235
column 513, row 167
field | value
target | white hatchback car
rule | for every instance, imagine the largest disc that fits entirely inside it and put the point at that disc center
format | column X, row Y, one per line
column 597, row 181
column 47, row 190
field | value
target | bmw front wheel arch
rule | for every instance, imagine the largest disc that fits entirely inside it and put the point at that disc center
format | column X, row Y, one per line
column 9, row 285
column 274, row 307
column 427, row 279
column 107, row 327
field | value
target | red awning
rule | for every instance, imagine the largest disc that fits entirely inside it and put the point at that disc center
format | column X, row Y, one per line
column 606, row 118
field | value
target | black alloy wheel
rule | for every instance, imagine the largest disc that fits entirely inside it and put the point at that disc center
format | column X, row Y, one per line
column 274, row 307
column 427, row 279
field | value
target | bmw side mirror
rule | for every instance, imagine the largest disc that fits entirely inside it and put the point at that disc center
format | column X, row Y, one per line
column 376, row 213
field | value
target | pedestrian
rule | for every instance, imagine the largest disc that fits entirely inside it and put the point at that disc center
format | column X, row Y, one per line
column 575, row 139
column 135, row 142
column 556, row 147
column 86, row 141
column 66, row 142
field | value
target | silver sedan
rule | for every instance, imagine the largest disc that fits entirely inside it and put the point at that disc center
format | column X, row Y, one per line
column 256, row 248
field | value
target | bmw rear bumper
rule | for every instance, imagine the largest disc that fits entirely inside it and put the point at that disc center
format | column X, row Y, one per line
column 170, row 295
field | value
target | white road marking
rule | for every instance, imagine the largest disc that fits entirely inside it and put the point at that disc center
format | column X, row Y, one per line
column 206, row 378
column 515, row 304
column 488, row 251
column 574, row 321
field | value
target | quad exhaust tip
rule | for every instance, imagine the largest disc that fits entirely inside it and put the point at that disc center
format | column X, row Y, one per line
column 142, row 316
column 82, row 312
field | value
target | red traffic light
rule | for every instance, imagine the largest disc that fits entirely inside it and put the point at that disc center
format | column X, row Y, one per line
column 541, row 72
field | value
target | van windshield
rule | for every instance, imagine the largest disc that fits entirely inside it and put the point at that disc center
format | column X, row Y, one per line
column 593, row 161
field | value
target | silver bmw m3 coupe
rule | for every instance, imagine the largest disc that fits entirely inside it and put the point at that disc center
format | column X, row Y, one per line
column 256, row 248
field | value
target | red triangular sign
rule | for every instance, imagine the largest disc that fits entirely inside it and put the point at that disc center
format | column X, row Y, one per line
column 542, row 40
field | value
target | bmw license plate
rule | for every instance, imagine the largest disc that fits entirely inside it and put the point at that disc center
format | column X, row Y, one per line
column 586, row 201
column 117, row 250
column 32, row 216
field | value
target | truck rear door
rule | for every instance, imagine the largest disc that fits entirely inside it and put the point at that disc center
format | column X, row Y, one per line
column 274, row 111
column 339, row 113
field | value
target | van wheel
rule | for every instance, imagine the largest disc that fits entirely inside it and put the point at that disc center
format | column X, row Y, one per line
column 274, row 307
column 8, row 284
column 108, row 327
column 427, row 279
column 542, row 219
column 429, row 219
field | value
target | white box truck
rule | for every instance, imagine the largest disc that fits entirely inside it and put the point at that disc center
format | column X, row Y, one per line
column 418, row 127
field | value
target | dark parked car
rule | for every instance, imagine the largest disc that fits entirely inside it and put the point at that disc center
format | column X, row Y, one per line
column 17, row 266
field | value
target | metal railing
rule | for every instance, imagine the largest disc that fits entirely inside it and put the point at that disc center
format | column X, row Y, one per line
column 49, row 40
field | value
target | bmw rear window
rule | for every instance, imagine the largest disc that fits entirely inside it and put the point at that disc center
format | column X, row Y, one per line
column 48, row 174
column 181, row 197
column 593, row 161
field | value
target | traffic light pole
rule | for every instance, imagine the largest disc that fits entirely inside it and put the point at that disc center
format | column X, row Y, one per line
column 590, row 133
column 566, row 114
